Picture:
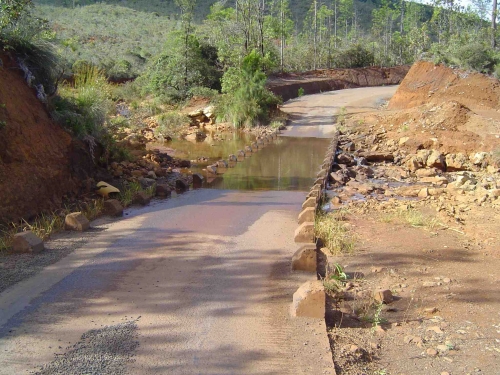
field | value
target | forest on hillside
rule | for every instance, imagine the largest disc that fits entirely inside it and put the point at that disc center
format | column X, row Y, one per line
column 122, row 36
column 170, row 51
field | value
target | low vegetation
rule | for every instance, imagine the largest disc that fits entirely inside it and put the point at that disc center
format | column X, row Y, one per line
column 331, row 228
column 410, row 216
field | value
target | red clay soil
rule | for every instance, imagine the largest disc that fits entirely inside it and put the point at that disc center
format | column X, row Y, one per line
column 288, row 85
column 428, row 83
column 34, row 152
column 441, row 108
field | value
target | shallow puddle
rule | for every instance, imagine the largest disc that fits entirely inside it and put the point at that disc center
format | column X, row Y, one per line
column 285, row 164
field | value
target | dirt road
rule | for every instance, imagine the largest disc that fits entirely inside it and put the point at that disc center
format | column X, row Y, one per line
column 199, row 284
column 313, row 115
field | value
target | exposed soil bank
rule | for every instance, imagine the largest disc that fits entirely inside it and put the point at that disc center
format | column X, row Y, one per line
column 287, row 86
column 428, row 83
column 35, row 153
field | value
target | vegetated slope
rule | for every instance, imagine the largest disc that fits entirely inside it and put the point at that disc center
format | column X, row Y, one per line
column 299, row 8
column 335, row 79
column 35, row 152
column 110, row 36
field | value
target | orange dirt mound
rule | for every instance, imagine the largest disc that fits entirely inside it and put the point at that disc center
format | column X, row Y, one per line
column 34, row 152
column 429, row 83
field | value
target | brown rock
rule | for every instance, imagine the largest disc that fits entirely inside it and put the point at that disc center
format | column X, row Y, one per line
column 383, row 296
column 163, row 191
column 181, row 186
column 310, row 202
column 113, row 207
column 197, row 181
column 305, row 259
column 431, row 352
column 309, row 300
column 305, row 233
column 27, row 242
column 436, row 160
column 142, row 198
column 307, row 214
column 76, row 221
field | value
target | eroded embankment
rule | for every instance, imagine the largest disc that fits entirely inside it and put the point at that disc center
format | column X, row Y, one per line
column 36, row 155
column 336, row 79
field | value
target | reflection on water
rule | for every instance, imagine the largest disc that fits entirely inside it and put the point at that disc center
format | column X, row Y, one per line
column 287, row 163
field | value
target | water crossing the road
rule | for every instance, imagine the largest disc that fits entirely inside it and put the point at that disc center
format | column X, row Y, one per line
column 287, row 163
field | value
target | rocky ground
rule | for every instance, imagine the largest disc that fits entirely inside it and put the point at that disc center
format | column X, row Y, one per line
column 421, row 200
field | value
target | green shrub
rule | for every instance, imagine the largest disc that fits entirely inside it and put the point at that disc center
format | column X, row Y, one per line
column 170, row 124
column 301, row 92
column 246, row 100
column 355, row 56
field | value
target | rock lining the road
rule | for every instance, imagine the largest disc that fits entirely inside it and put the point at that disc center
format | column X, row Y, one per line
column 105, row 351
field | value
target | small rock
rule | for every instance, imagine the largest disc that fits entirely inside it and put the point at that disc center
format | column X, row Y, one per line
column 27, row 242
column 76, row 221
column 163, row 191
column 378, row 269
column 197, row 181
column 431, row 352
column 181, row 186
column 142, row 198
column 383, row 296
column 435, row 329
column 113, row 207
column 429, row 284
column 431, row 310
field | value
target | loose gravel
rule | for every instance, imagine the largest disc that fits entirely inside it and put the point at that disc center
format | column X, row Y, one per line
column 105, row 351
column 18, row 267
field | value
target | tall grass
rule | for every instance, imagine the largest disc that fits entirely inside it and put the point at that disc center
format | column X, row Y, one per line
column 84, row 107
column 331, row 229
column 47, row 224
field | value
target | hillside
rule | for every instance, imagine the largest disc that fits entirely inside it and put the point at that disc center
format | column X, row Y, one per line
column 39, row 161
column 168, row 8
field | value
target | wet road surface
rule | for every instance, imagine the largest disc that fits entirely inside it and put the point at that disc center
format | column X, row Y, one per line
column 205, row 278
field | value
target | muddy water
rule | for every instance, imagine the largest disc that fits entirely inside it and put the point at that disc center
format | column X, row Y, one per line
column 288, row 163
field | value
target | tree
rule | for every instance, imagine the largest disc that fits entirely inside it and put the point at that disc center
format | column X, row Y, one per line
column 187, row 7
column 12, row 10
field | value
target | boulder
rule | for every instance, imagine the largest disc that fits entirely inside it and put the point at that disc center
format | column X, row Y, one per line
column 383, row 296
column 27, row 242
column 305, row 259
column 378, row 156
column 113, row 207
column 181, row 186
column 307, row 214
column 310, row 202
column 211, row 169
column 76, row 221
column 163, row 191
column 222, row 164
column 232, row 158
column 305, row 233
column 241, row 154
column 141, row 198
column 146, row 182
column 436, row 160
column 432, row 172
column 197, row 181
column 456, row 162
column 479, row 158
column 309, row 300
column 345, row 159
column 248, row 150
